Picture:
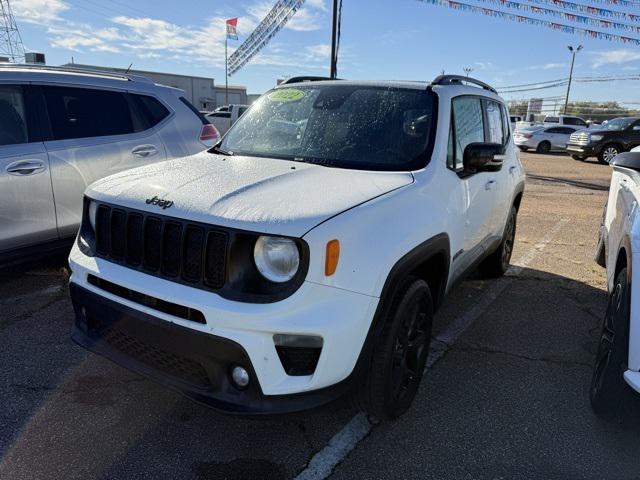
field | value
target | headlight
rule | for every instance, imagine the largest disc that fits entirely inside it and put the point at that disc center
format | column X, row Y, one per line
column 595, row 138
column 93, row 210
column 276, row 258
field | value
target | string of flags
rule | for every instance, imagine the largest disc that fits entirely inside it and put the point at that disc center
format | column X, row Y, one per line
column 533, row 21
column 589, row 10
column 571, row 17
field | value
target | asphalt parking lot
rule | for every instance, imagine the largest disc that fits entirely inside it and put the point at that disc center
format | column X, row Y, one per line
column 505, row 395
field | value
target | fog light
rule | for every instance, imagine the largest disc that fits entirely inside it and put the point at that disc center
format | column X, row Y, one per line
column 240, row 377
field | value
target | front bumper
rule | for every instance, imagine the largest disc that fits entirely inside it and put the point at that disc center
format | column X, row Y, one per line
column 586, row 150
column 525, row 142
column 340, row 317
column 633, row 379
column 180, row 358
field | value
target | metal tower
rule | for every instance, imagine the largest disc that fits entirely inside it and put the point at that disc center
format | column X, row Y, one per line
column 10, row 42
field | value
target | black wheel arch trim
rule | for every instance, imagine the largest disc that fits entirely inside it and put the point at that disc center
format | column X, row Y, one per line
column 625, row 244
column 436, row 245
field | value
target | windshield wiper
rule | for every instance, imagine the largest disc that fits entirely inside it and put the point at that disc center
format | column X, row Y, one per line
column 217, row 150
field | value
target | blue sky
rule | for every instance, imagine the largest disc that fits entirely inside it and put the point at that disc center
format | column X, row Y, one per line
column 399, row 39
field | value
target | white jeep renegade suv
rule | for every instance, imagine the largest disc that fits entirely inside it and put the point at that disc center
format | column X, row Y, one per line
column 303, row 256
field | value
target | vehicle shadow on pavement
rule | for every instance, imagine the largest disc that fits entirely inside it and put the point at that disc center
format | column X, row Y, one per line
column 512, row 391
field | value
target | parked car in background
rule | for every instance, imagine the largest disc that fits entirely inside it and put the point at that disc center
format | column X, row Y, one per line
column 543, row 139
column 605, row 142
column 61, row 129
column 616, row 374
column 224, row 117
column 565, row 120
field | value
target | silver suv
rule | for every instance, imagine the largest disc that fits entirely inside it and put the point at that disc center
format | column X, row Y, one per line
column 62, row 129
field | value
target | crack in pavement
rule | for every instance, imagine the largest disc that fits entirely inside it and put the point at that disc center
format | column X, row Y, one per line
column 474, row 348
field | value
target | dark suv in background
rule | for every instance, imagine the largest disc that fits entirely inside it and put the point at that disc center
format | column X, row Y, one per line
column 605, row 142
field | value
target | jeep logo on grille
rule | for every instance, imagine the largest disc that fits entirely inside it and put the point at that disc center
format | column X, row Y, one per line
column 164, row 204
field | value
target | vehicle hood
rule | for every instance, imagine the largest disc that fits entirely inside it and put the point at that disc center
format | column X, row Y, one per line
column 249, row 193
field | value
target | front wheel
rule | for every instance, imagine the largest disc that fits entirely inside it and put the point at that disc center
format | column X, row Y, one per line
column 543, row 147
column 496, row 264
column 400, row 353
column 609, row 390
column 608, row 153
column 580, row 158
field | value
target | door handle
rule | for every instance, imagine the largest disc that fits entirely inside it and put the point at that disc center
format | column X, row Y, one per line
column 489, row 185
column 145, row 151
column 22, row 168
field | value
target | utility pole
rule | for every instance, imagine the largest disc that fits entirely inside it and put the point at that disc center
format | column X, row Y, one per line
column 335, row 39
column 573, row 59
column 467, row 70
column 10, row 41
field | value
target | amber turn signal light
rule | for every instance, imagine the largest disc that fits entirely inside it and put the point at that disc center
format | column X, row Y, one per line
column 332, row 258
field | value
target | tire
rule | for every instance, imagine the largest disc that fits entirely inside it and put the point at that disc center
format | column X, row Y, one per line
column 608, row 153
column 580, row 158
column 523, row 149
column 496, row 264
column 399, row 354
column 543, row 147
column 609, row 391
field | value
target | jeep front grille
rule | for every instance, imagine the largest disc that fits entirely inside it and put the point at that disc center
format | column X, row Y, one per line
column 579, row 138
column 165, row 247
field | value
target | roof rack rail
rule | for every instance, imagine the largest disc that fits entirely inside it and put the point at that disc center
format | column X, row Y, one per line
column 85, row 71
column 306, row 78
column 459, row 80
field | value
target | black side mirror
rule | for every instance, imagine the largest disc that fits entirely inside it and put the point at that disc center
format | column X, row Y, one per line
column 627, row 160
column 482, row 157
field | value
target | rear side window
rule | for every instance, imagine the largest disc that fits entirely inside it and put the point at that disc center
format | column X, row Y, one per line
column 195, row 111
column 13, row 116
column 566, row 130
column 467, row 127
column 495, row 125
column 219, row 115
column 151, row 110
column 552, row 120
column 575, row 121
column 83, row 113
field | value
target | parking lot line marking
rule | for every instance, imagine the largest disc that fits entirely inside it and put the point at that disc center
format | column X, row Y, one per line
column 337, row 449
column 346, row 440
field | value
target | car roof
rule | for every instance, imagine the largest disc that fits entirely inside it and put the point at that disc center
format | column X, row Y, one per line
column 80, row 76
column 452, row 89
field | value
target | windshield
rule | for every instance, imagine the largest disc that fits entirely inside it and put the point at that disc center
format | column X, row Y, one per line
column 618, row 123
column 347, row 126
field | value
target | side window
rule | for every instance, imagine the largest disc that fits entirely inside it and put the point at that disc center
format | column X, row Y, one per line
column 566, row 130
column 220, row 115
column 580, row 122
column 494, row 122
column 83, row 112
column 468, row 127
column 553, row 130
column 506, row 123
column 241, row 110
column 150, row 109
column 13, row 116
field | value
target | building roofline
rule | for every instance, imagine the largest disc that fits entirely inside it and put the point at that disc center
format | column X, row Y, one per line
column 123, row 70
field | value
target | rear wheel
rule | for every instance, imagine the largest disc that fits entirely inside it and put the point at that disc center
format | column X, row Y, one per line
column 608, row 153
column 609, row 391
column 496, row 264
column 400, row 353
column 544, row 147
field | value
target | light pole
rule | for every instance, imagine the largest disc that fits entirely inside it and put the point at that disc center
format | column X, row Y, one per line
column 467, row 70
column 573, row 59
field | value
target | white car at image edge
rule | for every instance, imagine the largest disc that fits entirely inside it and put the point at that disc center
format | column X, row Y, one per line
column 616, row 374
column 303, row 257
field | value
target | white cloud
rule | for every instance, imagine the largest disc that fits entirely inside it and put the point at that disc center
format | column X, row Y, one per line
column 147, row 37
column 38, row 11
column 617, row 57
column 546, row 66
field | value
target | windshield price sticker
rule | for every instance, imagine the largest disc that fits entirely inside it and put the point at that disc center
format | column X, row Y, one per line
column 286, row 95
